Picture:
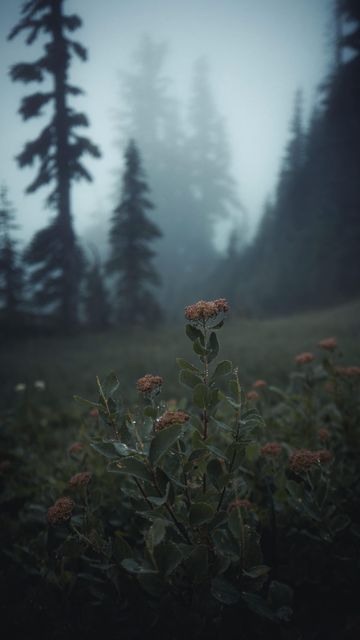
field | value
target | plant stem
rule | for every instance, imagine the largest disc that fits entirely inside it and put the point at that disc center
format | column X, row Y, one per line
column 170, row 511
column 143, row 492
column 233, row 457
column 187, row 489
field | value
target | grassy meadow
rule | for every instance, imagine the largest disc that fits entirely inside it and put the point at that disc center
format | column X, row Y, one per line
column 259, row 348
column 229, row 515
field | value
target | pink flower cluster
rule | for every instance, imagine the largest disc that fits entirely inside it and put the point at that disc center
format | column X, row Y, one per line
column 206, row 309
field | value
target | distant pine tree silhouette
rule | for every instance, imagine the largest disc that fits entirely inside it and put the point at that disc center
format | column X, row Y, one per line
column 11, row 271
column 96, row 304
column 54, row 253
column 130, row 259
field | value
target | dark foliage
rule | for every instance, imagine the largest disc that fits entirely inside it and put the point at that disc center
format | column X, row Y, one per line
column 96, row 304
column 11, row 271
column 306, row 251
column 58, row 151
column 131, row 258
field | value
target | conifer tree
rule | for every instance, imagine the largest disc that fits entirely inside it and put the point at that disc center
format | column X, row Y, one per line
column 130, row 260
column 214, row 187
column 54, row 253
column 11, row 272
column 96, row 304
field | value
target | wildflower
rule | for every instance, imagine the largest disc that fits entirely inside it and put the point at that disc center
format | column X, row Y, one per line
column 323, row 456
column 206, row 309
column 80, row 479
column 39, row 385
column 171, row 417
column 242, row 503
column 75, row 447
column 259, row 384
column 304, row 358
column 324, row 434
column 60, row 511
column 303, row 459
column 271, row 449
column 94, row 412
column 348, row 372
column 328, row 343
column 252, row 395
column 149, row 383
column 20, row 387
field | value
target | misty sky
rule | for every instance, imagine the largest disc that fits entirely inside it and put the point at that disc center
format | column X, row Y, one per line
column 259, row 52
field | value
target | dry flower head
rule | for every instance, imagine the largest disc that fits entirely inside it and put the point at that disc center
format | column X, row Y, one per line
column 206, row 309
column 240, row 503
column 80, row 479
column 304, row 358
column 328, row 343
column 303, row 459
column 76, row 447
column 61, row 511
column 252, row 395
column 171, row 417
column 259, row 384
column 271, row 449
column 149, row 383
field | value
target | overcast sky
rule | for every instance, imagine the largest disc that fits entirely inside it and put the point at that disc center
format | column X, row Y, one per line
column 259, row 52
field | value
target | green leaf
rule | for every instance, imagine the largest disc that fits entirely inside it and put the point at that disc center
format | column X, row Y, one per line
column 222, row 369
column 81, row 399
column 213, row 398
column 235, row 524
column 213, row 346
column 222, row 425
column 224, row 591
column 200, row 395
column 168, row 557
column 256, row 572
column 121, row 548
column 280, row 594
column 111, row 384
column 105, row 449
column 218, row 325
column 216, row 474
column 158, row 501
column 193, row 333
column 199, row 348
column 156, row 534
column 258, row 605
column 122, row 449
column 162, row 442
column 218, row 453
column 200, row 513
column 133, row 467
column 340, row 522
column 150, row 412
column 133, row 566
column 252, row 451
column 225, row 544
column 189, row 378
column 184, row 364
column 197, row 562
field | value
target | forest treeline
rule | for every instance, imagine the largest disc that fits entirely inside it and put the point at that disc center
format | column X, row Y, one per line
column 157, row 252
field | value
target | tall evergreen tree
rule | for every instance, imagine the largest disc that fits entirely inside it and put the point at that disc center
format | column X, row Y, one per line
column 11, row 272
column 130, row 258
column 54, row 253
column 213, row 186
column 96, row 304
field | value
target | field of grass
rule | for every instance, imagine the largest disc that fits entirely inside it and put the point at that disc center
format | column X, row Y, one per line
column 236, row 517
column 260, row 349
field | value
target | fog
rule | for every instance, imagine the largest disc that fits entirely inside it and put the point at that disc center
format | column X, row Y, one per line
column 258, row 51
